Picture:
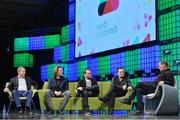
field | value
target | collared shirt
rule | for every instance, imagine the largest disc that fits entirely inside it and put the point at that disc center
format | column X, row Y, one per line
column 22, row 84
column 88, row 83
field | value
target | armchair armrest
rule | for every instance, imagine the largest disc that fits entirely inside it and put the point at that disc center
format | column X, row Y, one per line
column 34, row 92
column 9, row 93
column 8, row 90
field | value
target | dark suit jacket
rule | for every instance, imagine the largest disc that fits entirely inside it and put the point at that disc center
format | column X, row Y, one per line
column 14, row 83
column 165, row 76
column 94, row 88
column 63, row 86
column 119, row 84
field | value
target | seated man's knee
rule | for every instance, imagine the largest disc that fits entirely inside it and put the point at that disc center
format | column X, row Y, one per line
column 85, row 92
column 48, row 91
column 67, row 93
column 14, row 91
column 113, row 94
column 138, row 90
column 79, row 93
column 30, row 92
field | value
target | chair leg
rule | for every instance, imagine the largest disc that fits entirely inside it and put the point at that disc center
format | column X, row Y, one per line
column 34, row 107
column 9, row 106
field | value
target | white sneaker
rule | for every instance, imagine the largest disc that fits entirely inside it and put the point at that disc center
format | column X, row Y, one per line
column 87, row 114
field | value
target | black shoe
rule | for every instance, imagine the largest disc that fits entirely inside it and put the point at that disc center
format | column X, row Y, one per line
column 110, row 112
column 87, row 113
column 61, row 112
column 138, row 112
column 126, row 101
column 27, row 110
column 49, row 112
column 103, row 99
column 20, row 110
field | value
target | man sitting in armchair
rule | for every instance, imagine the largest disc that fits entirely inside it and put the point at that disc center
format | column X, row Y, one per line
column 21, row 87
column 143, row 88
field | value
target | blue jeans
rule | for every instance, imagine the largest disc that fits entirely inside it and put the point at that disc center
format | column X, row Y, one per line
column 28, row 94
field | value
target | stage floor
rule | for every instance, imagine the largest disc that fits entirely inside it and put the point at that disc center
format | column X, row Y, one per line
column 131, row 115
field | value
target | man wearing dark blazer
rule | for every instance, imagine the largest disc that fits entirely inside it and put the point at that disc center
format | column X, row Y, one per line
column 21, row 87
column 143, row 88
column 57, row 87
column 119, row 87
column 87, row 88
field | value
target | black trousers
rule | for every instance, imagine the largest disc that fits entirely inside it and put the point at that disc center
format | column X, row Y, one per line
column 112, row 94
column 85, row 94
column 142, row 88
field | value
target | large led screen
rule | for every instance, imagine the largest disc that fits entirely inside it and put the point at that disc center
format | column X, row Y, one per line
column 103, row 25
